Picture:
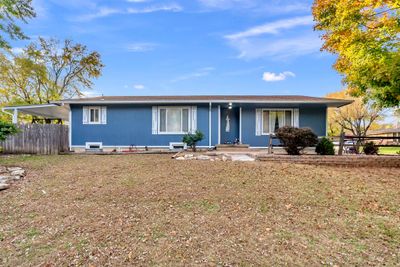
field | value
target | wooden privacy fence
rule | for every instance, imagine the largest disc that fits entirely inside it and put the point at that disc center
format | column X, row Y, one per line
column 43, row 139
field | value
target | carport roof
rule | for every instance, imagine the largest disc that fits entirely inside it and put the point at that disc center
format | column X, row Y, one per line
column 48, row 111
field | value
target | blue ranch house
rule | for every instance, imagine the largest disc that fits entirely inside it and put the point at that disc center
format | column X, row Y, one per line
column 113, row 122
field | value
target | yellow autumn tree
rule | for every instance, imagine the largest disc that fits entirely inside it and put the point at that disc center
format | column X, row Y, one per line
column 365, row 36
column 357, row 118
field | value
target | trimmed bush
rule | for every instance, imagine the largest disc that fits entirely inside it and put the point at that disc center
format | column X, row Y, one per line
column 7, row 129
column 192, row 139
column 325, row 147
column 295, row 140
column 370, row 148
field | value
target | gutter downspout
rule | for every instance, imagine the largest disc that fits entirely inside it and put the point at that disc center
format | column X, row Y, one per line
column 13, row 115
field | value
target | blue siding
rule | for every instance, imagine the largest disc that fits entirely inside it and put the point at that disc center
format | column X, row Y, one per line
column 132, row 125
column 314, row 117
column 129, row 125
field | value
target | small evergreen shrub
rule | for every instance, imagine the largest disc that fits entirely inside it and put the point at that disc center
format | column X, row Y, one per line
column 370, row 148
column 192, row 139
column 325, row 147
column 7, row 129
column 295, row 140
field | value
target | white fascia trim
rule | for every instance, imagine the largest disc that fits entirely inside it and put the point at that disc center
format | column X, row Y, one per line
column 203, row 101
column 30, row 106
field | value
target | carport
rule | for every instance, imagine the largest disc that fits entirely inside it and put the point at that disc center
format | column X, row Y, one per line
column 48, row 111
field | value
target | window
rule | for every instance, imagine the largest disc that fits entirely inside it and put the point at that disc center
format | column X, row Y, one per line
column 173, row 120
column 274, row 119
column 94, row 115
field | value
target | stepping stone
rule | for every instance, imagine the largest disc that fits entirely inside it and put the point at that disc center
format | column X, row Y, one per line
column 241, row 157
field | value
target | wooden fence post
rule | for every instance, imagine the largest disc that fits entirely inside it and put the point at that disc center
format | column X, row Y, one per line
column 341, row 143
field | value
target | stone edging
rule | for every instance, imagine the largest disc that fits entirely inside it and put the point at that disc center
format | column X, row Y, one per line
column 344, row 161
column 8, row 175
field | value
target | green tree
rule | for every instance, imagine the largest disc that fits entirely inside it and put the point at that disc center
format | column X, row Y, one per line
column 47, row 71
column 365, row 35
column 10, row 11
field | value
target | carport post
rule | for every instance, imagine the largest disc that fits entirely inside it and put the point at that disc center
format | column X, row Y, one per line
column 15, row 116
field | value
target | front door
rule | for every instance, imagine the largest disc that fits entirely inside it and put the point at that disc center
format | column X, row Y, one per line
column 229, row 125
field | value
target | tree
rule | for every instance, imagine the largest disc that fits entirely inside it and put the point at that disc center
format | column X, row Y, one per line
column 357, row 118
column 10, row 11
column 47, row 71
column 365, row 36
column 295, row 140
column 192, row 139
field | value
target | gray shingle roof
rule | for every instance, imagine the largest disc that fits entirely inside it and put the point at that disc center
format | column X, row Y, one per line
column 211, row 98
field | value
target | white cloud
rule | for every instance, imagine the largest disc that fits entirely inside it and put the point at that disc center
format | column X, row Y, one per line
column 265, row 40
column 141, row 47
column 276, row 77
column 101, row 12
column 273, row 27
column 155, row 8
column 138, row 86
column 196, row 74
column 270, row 7
column 277, row 49
column 226, row 4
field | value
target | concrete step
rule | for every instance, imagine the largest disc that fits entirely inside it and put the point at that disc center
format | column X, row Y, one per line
column 232, row 147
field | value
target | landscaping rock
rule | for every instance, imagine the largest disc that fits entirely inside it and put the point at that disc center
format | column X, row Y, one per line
column 9, row 175
column 203, row 157
column 224, row 158
column 4, row 179
column 4, row 186
column 18, row 173
column 11, row 169
column 180, row 158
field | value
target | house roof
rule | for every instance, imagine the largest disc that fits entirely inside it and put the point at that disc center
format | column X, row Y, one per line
column 385, row 131
column 331, row 102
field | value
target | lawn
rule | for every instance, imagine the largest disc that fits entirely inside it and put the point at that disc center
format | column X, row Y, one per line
column 151, row 210
column 388, row 150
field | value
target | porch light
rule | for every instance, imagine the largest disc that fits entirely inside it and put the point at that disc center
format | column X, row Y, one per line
column 230, row 106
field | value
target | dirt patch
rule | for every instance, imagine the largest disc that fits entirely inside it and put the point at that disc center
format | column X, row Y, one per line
column 151, row 210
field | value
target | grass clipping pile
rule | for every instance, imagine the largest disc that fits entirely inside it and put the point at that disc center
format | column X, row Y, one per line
column 151, row 210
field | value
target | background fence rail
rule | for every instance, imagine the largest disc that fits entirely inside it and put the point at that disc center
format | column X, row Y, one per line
column 43, row 139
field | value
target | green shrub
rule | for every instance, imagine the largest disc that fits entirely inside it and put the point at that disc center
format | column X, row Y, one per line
column 7, row 129
column 370, row 148
column 295, row 140
column 325, row 147
column 192, row 139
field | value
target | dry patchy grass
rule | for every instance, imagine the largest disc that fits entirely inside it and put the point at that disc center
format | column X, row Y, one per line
column 151, row 210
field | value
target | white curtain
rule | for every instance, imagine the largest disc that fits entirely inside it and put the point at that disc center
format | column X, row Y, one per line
column 174, row 120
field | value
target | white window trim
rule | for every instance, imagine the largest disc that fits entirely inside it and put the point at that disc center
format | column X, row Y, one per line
column 272, row 110
column 89, row 114
column 166, row 119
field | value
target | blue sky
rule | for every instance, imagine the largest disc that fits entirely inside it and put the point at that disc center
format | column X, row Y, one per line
column 160, row 47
